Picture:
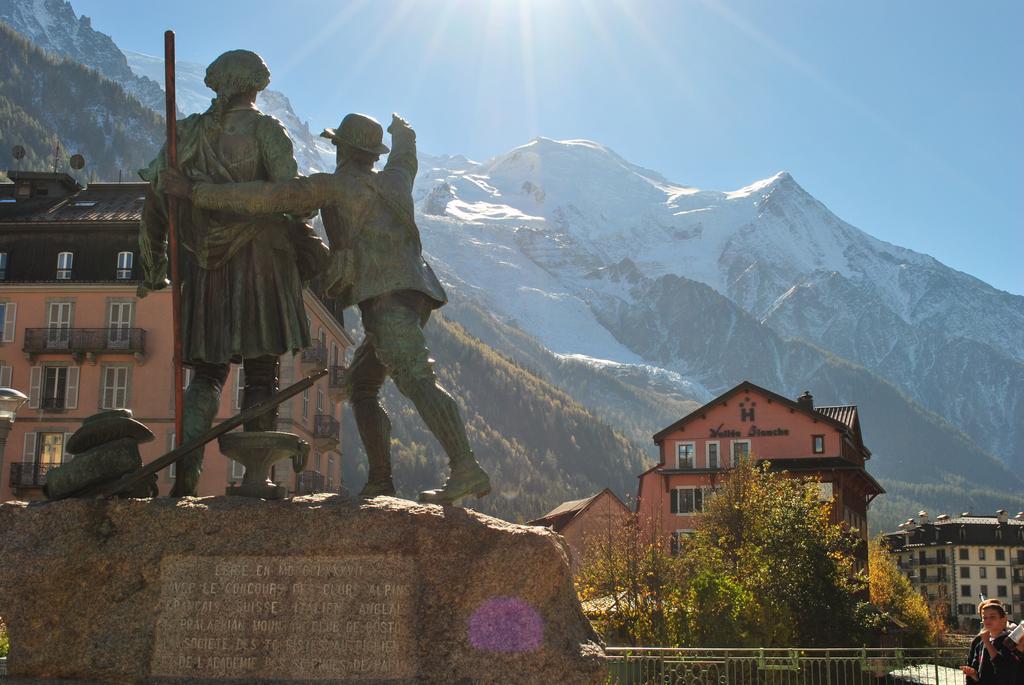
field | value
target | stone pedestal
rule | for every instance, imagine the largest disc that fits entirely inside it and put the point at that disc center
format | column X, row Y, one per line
column 316, row 589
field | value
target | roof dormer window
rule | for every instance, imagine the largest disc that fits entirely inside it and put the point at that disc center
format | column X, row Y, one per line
column 65, row 262
column 124, row 265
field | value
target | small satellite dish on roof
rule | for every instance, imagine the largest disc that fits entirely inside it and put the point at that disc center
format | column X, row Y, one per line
column 18, row 152
column 77, row 162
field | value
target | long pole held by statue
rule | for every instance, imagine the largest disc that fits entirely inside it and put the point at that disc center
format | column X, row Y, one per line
column 172, row 236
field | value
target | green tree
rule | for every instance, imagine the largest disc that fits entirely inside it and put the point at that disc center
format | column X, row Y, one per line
column 768, row 568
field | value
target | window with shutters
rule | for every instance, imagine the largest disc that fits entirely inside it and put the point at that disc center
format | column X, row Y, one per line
column 239, row 386
column 305, row 403
column 677, row 539
column 6, row 375
column 53, row 387
column 172, row 470
column 687, row 500
column 8, row 316
column 319, row 400
column 124, row 265
column 330, row 473
column 119, row 324
column 115, row 387
column 50, row 448
column 58, row 324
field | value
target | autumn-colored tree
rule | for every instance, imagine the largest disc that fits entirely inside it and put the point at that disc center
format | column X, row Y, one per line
column 766, row 567
column 627, row 584
column 894, row 596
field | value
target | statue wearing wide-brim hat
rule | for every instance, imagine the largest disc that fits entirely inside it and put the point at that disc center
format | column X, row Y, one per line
column 361, row 132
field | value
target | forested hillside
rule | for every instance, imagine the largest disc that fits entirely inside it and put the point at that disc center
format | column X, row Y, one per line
column 45, row 100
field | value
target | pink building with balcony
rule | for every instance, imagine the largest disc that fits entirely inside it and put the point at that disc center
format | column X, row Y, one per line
column 696, row 452
column 76, row 338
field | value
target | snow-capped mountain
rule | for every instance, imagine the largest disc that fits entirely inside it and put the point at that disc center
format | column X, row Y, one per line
column 570, row 241
column 53, row 26
column 312, row 153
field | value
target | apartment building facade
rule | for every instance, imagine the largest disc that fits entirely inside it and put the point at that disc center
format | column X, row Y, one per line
column 697, row 451
column 955, row 561
column 77, row 339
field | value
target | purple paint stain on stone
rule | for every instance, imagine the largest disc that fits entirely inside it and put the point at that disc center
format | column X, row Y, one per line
column 506, row 624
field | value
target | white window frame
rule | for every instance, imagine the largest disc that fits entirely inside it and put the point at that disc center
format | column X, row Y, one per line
column 8, row 321
column 125, row 262
column 60, row 317
column 37, row 385
column 718, row 456
column 814, row 444
column 172, row 442
column 119, row 324
column 732, row 450
column 693, row 455
column 115, row 384
column 239, row 386
column 65, row 264
column 6, row 375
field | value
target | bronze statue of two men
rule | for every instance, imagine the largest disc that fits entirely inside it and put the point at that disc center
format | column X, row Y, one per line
column 248, row 250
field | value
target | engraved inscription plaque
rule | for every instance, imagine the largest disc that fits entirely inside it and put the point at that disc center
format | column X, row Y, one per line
column 336, row 619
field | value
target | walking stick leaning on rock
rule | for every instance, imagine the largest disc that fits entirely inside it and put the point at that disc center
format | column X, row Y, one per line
column 128, row 482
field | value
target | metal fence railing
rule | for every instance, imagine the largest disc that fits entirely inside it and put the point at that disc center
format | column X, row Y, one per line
column 877, row 666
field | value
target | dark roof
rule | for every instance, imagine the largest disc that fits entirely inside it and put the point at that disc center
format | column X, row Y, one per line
column 747, row 386
column 559, row 517
column 99, row 202
column 976, row 530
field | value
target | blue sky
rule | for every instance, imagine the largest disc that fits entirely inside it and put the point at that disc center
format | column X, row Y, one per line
column 903, row 117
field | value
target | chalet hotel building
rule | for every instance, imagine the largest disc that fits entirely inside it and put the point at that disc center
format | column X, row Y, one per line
column 76, row 338
column 696, row 451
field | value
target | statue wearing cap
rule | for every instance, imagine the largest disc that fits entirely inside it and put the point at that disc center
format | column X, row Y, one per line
column 242, row 275
column 377, row 264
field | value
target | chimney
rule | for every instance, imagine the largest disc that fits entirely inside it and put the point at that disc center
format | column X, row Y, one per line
column 922, row 517
column 806, row 400
column 1002, row 516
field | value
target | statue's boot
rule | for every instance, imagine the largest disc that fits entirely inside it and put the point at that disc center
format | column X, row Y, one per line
column 467, row 478
column 441, row 414
column 202, row 399
column 375, row 432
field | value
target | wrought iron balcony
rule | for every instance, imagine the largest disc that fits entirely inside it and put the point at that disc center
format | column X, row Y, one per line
column 309, row 483
column 314, row 357
column 326, row 431
column 85, row 341
column 29, row 474
column 337, row 377
column 51, row 403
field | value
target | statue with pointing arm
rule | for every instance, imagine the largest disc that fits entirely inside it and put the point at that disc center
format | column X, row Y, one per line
column 377, row 264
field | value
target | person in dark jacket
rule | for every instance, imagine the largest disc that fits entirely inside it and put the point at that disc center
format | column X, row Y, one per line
column 991, row 660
